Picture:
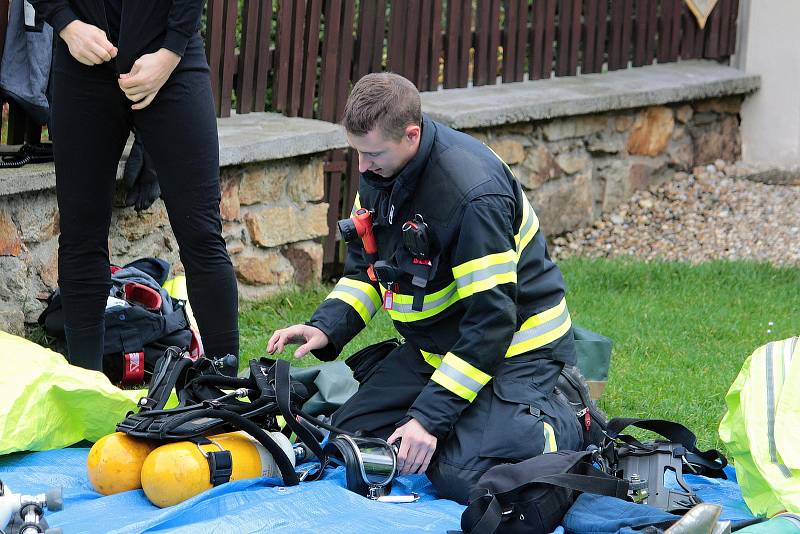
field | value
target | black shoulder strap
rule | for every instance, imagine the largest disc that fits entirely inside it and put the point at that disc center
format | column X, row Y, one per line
column 712, row 459
column 586, row 478
column 283, row 387
column 165, row 376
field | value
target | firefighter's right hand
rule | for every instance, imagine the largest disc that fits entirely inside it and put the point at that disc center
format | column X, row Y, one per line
column 88, row 44
column 308, row 337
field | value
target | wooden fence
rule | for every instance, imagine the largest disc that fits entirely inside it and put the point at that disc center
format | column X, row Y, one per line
column 300, row 57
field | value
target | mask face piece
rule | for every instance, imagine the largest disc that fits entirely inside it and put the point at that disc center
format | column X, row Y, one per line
column 370, row 464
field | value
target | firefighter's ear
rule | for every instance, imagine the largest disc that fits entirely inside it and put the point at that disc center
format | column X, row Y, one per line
column 413, row 133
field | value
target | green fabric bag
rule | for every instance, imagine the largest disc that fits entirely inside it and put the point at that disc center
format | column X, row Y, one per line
column 45, row 403
column 594, row 358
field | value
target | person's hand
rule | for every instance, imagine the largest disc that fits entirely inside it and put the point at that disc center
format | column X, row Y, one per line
column 88, row 44
column 147, row 76
column 309, row 337
column 417, row 446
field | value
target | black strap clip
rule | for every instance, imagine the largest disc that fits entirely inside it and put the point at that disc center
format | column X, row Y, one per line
column 220, row 464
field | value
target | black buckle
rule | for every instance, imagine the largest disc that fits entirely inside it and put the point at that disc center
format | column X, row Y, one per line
column 220, row 463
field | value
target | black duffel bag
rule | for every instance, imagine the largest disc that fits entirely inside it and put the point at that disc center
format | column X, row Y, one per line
column 532, row 497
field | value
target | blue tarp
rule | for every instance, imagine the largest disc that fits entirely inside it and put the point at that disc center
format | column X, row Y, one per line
column 260, row 505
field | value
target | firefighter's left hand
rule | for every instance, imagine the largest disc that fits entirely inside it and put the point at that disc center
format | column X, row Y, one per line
column 147, row 76
column 417, row 446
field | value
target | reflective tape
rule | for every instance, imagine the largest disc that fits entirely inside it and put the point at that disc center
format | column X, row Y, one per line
column 431, row 305
column 527, row 228
column 460, row 377
column 361, row 296
column 482, row 274
column 550, row 444
column 541, row 329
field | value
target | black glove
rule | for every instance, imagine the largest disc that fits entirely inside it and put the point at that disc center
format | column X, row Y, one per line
column 140, row 178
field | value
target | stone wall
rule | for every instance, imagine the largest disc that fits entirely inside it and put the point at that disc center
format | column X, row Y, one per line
column 273, row 217
column 575, row 168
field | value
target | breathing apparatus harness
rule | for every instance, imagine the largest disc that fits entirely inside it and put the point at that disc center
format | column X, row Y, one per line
column 208, row 403
column 643, row 464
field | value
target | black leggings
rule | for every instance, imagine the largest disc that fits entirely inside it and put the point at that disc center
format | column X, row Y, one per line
column 91, row 121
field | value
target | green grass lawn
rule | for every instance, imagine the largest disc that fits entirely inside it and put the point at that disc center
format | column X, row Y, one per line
column 680, row 332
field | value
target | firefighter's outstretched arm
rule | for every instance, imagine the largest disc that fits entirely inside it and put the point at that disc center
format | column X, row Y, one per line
column 308, row 337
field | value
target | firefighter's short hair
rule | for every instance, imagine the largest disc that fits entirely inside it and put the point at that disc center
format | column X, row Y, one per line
column 384, row 100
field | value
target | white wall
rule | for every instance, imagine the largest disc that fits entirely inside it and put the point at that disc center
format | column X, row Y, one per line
column 769, row 45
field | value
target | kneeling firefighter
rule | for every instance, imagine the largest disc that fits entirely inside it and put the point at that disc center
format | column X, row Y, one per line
column 444, row 239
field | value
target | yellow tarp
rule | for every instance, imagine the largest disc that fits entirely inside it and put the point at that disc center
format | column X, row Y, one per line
column 45, row 403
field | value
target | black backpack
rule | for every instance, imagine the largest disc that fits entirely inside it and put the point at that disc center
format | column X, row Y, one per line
column 532, row 496
column 135, row 337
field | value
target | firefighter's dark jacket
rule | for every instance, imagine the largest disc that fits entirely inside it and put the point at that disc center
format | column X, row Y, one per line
column 146, row 25
column 493, row 295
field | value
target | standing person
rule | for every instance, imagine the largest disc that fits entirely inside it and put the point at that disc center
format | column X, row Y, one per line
column 118, row 65
column 482, row 311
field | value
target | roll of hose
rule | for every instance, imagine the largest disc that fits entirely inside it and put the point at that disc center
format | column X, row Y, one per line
column 175, row 472
column 115, row 463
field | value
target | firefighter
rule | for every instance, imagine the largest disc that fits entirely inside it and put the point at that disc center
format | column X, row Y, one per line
column 463, row 270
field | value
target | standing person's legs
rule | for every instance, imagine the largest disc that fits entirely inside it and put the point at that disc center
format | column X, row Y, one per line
column 89, row 126
column 179, row 131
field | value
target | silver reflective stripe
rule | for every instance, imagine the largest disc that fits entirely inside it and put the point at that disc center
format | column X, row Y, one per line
column 482, row 274
column 773, row 450
column 543, row 328
column 406, row 308
column 362, row 297
column 459, row 377
column 528, row 224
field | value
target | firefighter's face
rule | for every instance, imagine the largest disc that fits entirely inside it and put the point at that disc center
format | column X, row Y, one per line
column 383, row 155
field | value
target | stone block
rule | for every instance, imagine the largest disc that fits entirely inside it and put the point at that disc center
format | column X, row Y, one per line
column 12, row 320
column 564, row 204
column 622, row 177
column 651, row 132
column 48, row 270
column 509, row 150
column 134, row 225
column 10, row 242
column 263, row 184
column 605, row 142
column 270, row 226
column 229, row 200
column 259, row 267
column 573, row 162
column 728, row 104
column 538, row 167
column 13, row 279
column 680, row 150
column 623, row 123
column 307, row 182
column 306, row 258
column 684, row 113
column 36, row 215
column 574, row 127
column 720, row 140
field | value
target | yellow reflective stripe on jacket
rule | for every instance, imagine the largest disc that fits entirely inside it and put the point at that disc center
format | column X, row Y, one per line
column 550, row 444
column 484, row 273
column 361, row 296
column 527, row 228
column 356, row 205
column 431, row 305
column 433, row 359
column 460, row 377
column 541, row 329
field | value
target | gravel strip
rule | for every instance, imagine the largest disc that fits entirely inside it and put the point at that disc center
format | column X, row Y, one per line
column 698, row 217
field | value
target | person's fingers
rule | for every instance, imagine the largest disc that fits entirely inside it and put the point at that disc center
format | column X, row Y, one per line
column 416, row 460
column 397, row 434
column 427, row 461
column 144, row 103
column 302, row 350
column 271, row 342
column 136, row 95
column 403, row 455
column 100, row 51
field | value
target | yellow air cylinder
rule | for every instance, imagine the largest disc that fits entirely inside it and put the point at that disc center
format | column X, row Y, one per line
column 115, row 463
column 175, row 472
